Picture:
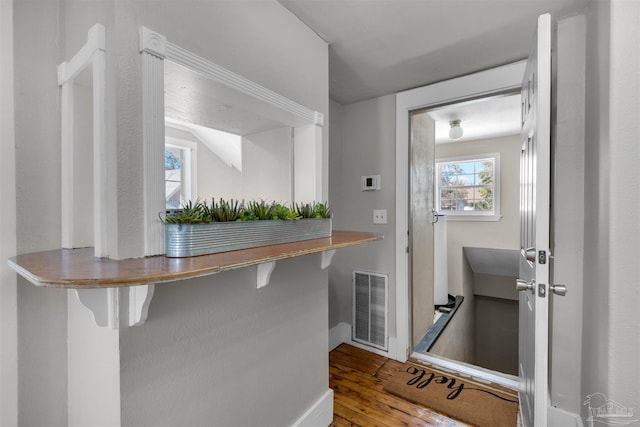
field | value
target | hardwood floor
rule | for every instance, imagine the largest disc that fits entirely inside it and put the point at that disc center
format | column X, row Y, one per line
column 357, row 377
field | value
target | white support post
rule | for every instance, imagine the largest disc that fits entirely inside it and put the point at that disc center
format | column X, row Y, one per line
column 92, row 53
column 153, row 51
column 321, row 190
column 67, row 165
column 99, row 154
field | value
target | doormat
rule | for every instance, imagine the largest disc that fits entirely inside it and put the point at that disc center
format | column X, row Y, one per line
column 467, row 400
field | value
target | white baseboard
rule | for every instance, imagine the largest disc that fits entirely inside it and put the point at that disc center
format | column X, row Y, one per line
column 339, row 334
column 320, row 414
column 557, row 417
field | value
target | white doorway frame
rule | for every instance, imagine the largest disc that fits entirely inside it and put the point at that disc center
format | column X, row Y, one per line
column 502, row 79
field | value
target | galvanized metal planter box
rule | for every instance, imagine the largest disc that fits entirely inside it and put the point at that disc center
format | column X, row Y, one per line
column 184, row 240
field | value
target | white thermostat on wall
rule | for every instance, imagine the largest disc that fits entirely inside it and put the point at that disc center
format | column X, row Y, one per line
column 371, row 182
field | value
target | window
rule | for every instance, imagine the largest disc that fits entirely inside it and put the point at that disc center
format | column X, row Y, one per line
column 469, row 187
column 179, row 162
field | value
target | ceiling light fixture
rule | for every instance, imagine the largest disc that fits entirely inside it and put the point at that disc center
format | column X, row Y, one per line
column 456, row 130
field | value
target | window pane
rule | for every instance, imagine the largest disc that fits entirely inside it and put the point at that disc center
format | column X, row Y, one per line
column 466, row 185
column 173, row 161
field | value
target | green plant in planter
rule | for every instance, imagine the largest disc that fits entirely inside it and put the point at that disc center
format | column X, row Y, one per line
column 261, row 210
column 226, row 211
column 191, row 213
column 199, row 212
column 321, row 210
column 313, row 210
column 284, row 213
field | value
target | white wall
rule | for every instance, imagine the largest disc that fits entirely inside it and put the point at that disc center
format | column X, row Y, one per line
column 266, row 165
column 339, row 297
column 8, row 291
column 496, row 321
column 218, row 351
column 502, row 234
column 368, row 148
column 38, row 48
column 625, row 211
column 595, row 315
column 611, row 344
column 259, row 40
column 93, row 385
column 567, row 241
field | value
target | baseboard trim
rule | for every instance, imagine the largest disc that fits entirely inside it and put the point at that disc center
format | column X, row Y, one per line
column 557, row 417
column 320, row 414
column 339, row 334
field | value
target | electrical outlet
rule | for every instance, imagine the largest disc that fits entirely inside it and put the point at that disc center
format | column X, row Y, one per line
column 379, row 216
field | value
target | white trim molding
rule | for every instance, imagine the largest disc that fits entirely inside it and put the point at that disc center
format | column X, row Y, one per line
column 478, row 85
column 92, row 53
column 215, row 72
column 153, row 52
column 341, row 333
column 319, row 414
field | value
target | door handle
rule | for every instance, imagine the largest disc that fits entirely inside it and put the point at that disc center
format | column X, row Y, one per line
column 560, row 290
column 436, row 216
column 529, row 254
column 523, row 285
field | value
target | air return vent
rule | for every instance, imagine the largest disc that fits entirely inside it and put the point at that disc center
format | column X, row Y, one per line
column 370, row 309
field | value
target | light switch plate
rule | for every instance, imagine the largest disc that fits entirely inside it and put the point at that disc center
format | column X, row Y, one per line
column 379, row 216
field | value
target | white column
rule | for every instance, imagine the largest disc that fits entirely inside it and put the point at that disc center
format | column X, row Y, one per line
column 153, row 50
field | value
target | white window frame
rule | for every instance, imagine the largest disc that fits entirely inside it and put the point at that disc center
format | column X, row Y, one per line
column 472, row 215
column 189, row 166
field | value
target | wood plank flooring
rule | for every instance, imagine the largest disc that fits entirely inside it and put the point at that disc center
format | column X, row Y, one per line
column 357, row 377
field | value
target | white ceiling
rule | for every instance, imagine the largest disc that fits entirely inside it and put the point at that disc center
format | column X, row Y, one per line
column 480, row 119
column 379, row 47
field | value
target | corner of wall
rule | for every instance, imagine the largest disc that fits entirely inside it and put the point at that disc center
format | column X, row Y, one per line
column 8, row 281
column 568, row 222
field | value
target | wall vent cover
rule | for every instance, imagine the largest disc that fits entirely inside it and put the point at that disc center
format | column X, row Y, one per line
column 370, row 309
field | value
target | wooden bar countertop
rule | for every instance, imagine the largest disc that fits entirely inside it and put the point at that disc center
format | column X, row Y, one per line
column 80, row 269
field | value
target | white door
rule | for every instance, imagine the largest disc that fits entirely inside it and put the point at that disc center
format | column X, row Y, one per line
column 533, row 282
column 421, row 185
